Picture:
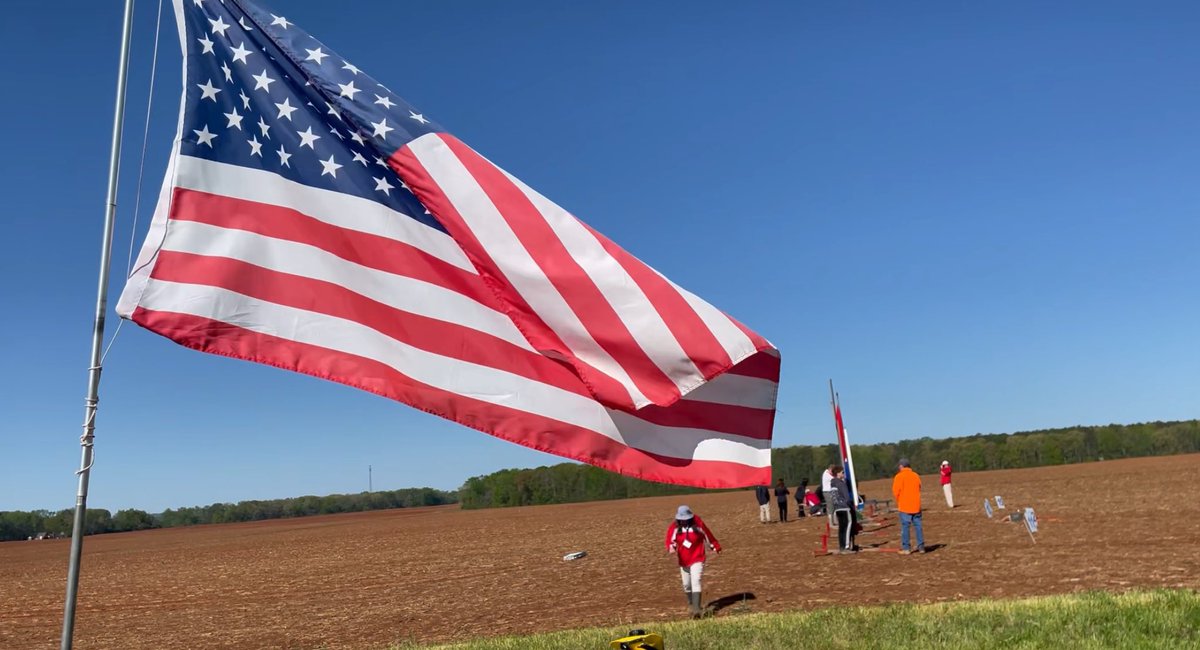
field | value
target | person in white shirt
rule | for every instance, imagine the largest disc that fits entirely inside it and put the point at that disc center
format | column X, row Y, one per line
column 827, row 491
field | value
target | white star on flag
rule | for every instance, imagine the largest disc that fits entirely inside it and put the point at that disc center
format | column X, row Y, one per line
column 285, row 109
column 204, row 136
column 307, row 138
column 348, row 90
column 240, row 53
column 262, row 81
column 381, row 128
column 208, row 91
column 330, row 167
column 218, row 25
column 315, row 55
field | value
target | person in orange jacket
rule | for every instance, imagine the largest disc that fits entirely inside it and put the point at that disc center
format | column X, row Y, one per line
column 906, row 488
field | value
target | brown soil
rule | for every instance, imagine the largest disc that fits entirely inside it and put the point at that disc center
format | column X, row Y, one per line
column 366, row 580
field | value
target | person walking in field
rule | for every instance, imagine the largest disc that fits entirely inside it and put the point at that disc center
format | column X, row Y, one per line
column 763, row 494
column 946, row 489
column 843, row 511
column 781, row 499
column 686, row 538
column 906, row 488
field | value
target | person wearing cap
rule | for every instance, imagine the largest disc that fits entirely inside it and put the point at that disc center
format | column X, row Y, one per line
column 946, row 489
column 906, row 488
column 686, row 538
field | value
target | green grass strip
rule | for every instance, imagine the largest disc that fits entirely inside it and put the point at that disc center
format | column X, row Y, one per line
column 1138, row 619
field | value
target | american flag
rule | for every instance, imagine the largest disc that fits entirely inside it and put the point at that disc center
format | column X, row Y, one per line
column 312, row 220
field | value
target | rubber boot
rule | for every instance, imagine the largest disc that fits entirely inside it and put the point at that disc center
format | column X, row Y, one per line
column 695, row 602
column 688, row 596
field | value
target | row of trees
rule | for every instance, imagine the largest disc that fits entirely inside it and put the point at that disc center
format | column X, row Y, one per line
column 564, row 483
column 569, row 482
column 24, row 525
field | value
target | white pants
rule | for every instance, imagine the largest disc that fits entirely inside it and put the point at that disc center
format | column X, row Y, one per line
column 949, row 495
column 691, row 577
column 764, row 513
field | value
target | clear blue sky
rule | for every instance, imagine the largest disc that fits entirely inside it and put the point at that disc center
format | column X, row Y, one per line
column 973, row 218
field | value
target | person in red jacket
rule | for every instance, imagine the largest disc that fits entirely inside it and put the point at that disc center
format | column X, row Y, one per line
column 946, row 489
column 686, row 538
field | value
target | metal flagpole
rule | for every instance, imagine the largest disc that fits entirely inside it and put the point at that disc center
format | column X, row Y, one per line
column 837, row 433
column 93, row 391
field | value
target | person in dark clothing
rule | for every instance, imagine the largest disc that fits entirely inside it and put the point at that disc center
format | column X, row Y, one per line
column 843, row 511
column 781, row 499
column 763, row 494
column 800, row 510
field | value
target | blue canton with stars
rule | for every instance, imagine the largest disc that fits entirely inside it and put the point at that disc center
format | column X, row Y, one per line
column 262, row 93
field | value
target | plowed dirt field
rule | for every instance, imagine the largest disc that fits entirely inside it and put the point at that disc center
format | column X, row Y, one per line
column 433, row 574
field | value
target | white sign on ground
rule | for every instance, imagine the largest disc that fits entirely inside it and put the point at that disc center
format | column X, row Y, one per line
column 987, row 507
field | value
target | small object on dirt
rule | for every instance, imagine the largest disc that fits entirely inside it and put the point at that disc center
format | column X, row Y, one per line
column 574, row 556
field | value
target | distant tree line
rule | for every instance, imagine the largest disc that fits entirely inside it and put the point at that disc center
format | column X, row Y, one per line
column 570, row 482
column 16, row 525
column 563, row 483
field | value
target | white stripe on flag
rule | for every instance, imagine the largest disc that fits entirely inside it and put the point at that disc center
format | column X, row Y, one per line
column 736, row 390
column 737, row 345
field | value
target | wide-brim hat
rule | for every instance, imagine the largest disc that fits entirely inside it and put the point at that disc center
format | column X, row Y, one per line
column 683, row 512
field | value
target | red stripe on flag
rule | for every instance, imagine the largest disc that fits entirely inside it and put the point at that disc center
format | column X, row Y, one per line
column 608, row 390
column 527, row 429
column 372, row 251
column 762, row 365
column 726, row 418
column 437, row 336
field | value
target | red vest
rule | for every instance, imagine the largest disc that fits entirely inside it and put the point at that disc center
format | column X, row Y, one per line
column 688, row 541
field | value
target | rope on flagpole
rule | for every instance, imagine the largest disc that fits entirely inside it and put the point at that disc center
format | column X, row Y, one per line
column 137, row 195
